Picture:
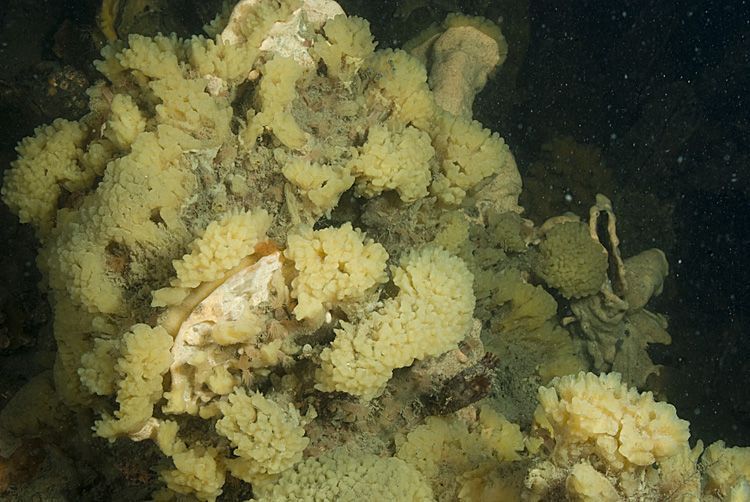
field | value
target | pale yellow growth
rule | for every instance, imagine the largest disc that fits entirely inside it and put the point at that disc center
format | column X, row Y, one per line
column 222, row 330
column 430, row 315
column 571, row 261
column 586, row 484
column 460, row 462
column 468, row 154
column 97, row 371
column 727, row 470
column 488, row 483
column 223, row 245
column 344, row 45
column 276, row 93
column 220, row 20
column 198, row 471
column 217, row 58
column 739, row 492
column 145, row 357
column 156, row 65
column 242, row 330
column 320, row 185
column 453, row 231
column 109, row 66
column 106, row 19
column 347, row 477
column 526, row 325
column 238, row 184
column 507, row 229
column 125, row 122
column 334, row 266
column 146, row 58
column 427, row 446
column 155, row 57
column 221, row 381
column 250, row 21
column 679, row 476
column 503, row 437
column 462, row 58
column 266, row 437
column 73, row 329
column 186, row 105
column 599, row 415
column 394, row 160
column 169, row 297
column 529, row 306
column 644, row 277
column 136, row 206
column 97, row 155
column 487, row 27
column 47, row 165
column 136, row 187
column 401, row 86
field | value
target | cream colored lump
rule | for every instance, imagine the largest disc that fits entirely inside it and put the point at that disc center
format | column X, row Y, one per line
column 200, row 237
column 413, row 325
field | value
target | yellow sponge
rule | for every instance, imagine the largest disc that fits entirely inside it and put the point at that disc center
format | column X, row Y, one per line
column 430, row 315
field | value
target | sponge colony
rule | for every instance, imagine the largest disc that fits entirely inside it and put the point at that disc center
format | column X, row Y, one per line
column 571, row 261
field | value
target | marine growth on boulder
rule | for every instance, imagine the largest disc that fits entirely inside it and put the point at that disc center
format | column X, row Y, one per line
column 282, row 257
